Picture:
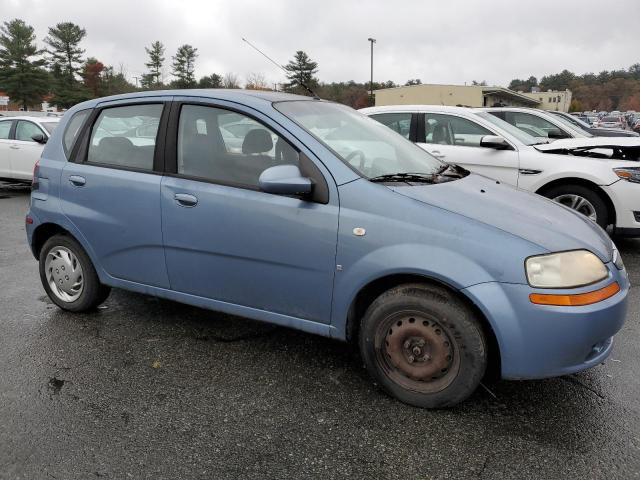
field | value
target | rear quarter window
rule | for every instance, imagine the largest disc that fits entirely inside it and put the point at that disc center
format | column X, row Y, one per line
column 73, row 128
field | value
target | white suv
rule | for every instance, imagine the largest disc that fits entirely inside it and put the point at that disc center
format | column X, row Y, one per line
column 600, row 181
column 21, row 142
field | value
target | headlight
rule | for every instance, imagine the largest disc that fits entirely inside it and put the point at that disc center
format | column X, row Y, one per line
column 631, row 174
column 564, row 269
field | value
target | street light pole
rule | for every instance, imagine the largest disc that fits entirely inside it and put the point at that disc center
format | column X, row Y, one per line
column 372, row 40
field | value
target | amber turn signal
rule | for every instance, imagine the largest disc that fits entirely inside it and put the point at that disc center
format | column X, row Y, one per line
column 577, row 299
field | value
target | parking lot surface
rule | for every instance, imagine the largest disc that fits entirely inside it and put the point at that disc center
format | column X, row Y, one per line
column 147, row 388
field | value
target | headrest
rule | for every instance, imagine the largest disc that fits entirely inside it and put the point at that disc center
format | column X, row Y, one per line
column 257, row 140
column 115, row 142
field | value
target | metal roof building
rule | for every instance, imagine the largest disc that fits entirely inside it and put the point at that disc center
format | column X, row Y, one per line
column 453, row 95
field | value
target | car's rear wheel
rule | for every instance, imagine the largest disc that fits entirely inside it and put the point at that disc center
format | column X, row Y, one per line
column 423, row 345
column 69, row 277
column 583, row 200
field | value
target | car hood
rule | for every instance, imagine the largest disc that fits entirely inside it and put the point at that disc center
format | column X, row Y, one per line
column 570, row 143
column 526, row 215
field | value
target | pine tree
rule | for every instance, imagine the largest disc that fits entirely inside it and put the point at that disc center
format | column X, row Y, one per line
column 301, row 71
column 22, row 74
column 210, row 81
column 184, row 66
column 153, row 79
column 66, row 63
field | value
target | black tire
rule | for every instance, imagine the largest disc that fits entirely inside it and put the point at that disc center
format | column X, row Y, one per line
column 451, row 357
column 602, row 212
column 93, row 293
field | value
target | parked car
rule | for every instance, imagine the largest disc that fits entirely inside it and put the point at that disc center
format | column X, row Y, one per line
column 538, row 123
column 594, row 176
column 21, row 143
column 343, row 229
column 597, row 132
column 612, row 121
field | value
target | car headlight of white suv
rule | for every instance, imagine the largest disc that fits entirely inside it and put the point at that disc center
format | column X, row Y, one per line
column 575, row 268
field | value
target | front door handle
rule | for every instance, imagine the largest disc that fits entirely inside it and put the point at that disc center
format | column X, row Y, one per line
column 14, row 147
column 437, row 154
column 77, row 180
column 186, row 199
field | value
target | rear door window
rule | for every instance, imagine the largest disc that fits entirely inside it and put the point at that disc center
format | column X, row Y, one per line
column 125, row 136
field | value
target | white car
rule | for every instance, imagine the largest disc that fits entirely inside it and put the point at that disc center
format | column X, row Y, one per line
column 590, row 175
column 21, row 142
column 538, row 123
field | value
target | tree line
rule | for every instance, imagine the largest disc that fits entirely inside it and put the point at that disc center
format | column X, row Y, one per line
column 606, row 91
column 62, row 74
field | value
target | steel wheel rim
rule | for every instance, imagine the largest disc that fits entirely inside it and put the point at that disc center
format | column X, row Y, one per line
column 579, row 204
column 63, row 273
column 436, row 362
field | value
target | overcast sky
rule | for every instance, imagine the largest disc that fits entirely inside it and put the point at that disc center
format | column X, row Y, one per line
column 452, row 41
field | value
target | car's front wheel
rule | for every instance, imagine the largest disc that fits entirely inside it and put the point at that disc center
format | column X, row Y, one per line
column 69, row 277
column 583, row 200
column 423, row 345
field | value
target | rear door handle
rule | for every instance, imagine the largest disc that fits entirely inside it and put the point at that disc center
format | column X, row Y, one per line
column 437, row 154
column 186, row 199
column 15, row 147
column 77, row 180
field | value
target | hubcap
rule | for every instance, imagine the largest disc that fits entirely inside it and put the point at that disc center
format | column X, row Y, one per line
column 417, row 352
column 578, row 203
column 64, row 274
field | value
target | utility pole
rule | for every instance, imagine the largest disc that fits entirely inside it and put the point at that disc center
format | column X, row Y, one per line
column 372, row 40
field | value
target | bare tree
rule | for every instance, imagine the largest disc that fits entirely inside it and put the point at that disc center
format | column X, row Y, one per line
column 256, row 81
column 230, row 80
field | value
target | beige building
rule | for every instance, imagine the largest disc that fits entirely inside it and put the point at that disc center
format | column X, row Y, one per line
column 552, row 99
column 453, row 95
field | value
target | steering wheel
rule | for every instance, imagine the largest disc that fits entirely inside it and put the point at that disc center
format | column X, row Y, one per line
column 353, row 154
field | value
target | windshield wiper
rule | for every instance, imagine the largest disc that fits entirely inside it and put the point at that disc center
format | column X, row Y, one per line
column 405, row 177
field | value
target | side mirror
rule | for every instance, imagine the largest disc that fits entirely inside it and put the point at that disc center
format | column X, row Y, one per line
column 285, row 180
column 494, row 141
column 556, row 133
column 40, row 138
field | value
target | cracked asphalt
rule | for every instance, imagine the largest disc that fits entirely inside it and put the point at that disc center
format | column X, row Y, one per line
column 147, row 388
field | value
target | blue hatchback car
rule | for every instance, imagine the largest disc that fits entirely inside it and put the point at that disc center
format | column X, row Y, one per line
column 307, row 214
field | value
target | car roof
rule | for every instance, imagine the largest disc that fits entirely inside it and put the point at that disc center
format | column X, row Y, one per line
column 416, row 108
column 217, row 93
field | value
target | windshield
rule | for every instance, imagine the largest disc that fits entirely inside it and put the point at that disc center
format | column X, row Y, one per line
column 369, row 147
column 574, row 125
column 521, row 136
column 50, row 126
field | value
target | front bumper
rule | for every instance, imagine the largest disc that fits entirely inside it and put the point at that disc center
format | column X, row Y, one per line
column 539, row 341
column 626, row 199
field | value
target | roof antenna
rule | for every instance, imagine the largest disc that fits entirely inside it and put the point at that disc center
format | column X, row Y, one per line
column 315, row 96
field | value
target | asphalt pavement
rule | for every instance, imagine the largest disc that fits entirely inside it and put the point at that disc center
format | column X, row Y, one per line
column 147, row 388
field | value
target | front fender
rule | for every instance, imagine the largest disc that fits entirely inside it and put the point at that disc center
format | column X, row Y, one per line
column 444, row 265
